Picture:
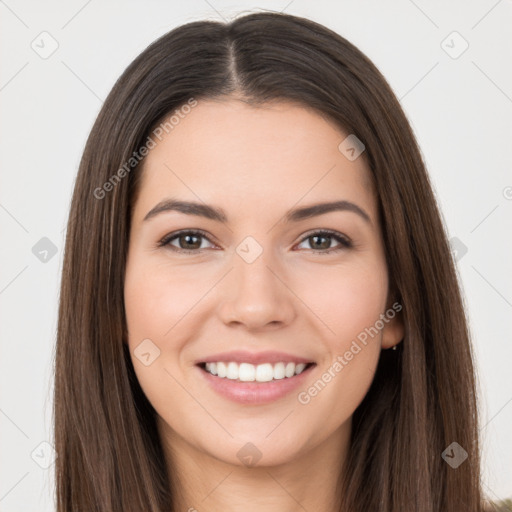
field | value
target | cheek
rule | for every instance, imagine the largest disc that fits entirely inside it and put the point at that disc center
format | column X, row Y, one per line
column 156, row 305
column 348, row 300
column 162, row 306
column 157, row 297
column 350, row 307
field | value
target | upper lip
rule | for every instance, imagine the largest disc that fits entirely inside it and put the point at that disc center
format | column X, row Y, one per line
column 241, row 356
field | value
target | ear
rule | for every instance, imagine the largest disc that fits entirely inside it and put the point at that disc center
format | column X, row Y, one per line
column 393, row 331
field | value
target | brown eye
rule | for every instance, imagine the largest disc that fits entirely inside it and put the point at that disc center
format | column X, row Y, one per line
column 187, row 241
column 320, row 241
column 191, row 241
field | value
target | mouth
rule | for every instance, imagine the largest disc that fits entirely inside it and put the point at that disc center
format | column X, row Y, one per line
column 250, row 384
column 261, row 373
column 255, row 378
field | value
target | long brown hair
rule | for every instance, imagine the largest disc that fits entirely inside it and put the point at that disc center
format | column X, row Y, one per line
column 110, row 457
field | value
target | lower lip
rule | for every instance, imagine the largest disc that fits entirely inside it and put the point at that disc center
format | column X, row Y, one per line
column 255, row 393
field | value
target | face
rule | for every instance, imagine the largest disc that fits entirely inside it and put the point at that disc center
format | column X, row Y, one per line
column 254, row 286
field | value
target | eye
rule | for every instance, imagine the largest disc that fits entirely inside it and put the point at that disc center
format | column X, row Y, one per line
column 319, row 244
column 189, row 241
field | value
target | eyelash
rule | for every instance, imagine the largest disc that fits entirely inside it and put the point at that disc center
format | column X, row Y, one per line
column 345, row 242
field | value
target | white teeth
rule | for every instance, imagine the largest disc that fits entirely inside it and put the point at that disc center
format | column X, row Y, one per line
column 247, row 372
column 212, row 368
column 232, row 372
column 264, row 372
column 300, row 368
column 222, row 371
column 289, row 370
column 279, row 371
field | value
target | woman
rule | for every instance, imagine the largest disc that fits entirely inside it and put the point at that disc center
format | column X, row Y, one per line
column 214, row 353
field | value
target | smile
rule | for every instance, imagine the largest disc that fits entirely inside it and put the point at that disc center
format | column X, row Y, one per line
column 250, row 384
column 247, row 372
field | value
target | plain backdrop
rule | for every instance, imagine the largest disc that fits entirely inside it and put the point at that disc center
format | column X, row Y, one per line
column 449, row 63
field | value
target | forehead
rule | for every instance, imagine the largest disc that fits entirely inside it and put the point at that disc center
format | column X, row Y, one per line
column 227, row 151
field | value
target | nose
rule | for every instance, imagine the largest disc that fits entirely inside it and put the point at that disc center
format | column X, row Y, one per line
column 256, row 295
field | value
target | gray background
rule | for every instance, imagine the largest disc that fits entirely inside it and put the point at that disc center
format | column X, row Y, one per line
column 459, row 106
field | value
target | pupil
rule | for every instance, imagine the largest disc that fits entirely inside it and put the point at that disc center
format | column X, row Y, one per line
column 325, row 245
column 188, row 237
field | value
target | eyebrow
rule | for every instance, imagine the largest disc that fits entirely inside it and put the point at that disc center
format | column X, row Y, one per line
column 218, row 214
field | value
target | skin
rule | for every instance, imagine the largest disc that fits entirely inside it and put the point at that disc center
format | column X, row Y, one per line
column 255, row 163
